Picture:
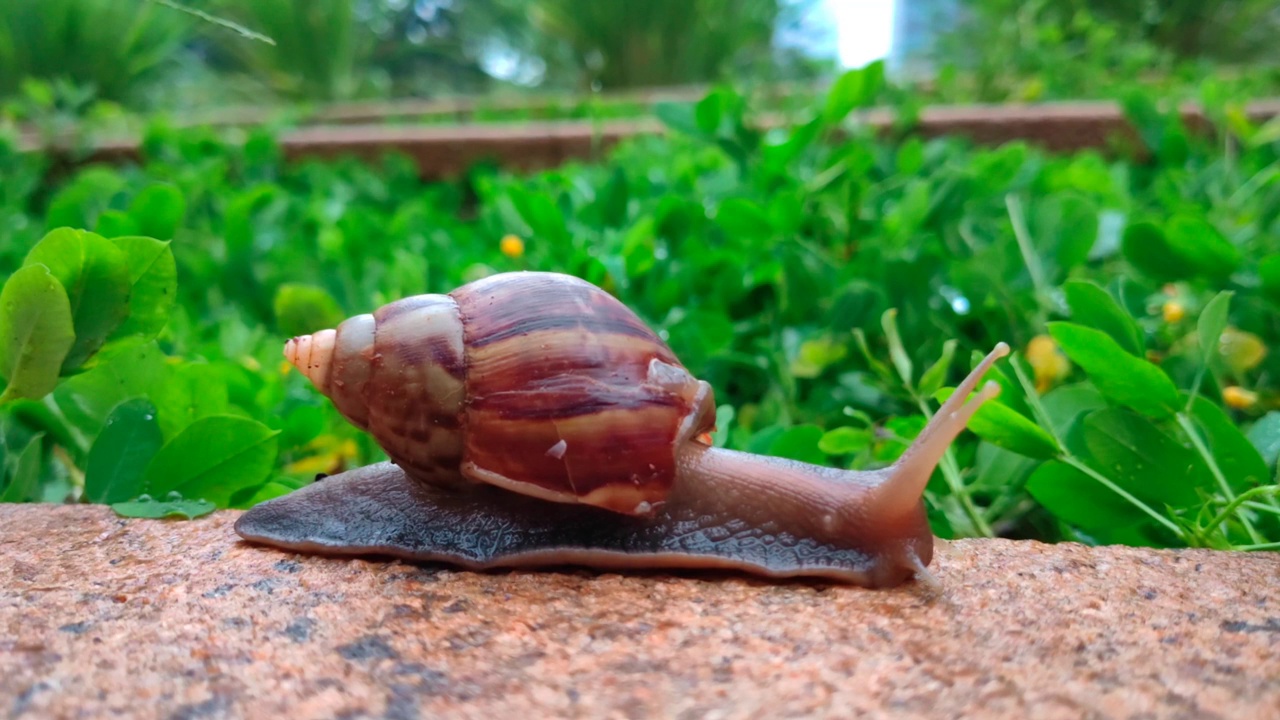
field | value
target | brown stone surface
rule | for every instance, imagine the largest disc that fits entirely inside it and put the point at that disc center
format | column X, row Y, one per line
column 444, row 151
column 104, row 617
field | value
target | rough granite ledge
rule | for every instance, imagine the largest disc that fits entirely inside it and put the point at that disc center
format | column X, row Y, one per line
column 103, row 617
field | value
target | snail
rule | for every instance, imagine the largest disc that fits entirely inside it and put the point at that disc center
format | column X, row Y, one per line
column 532, row 419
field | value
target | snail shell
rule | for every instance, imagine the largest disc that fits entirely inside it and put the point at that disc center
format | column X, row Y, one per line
column 538, row 383
column 533, row 419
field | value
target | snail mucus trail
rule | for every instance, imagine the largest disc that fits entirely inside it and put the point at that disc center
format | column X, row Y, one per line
column 532, row 419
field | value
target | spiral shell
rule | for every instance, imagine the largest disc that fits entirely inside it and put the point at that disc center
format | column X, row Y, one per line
column 539, row 383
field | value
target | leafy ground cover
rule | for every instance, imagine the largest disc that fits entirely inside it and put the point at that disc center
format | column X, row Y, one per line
column 826, row 282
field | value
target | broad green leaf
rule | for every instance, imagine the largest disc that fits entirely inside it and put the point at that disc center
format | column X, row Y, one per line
column 114, row 223
column 302, row 309
column 1213, row 320
column 541, row 214
column 708, row 111
column 677, row 116
column 1240, row 462
column 933, row 378
column 613, row 199
column 816, row 355
column 153, row 277
column 135, row 370
column 212, row 459
column 159, row 509
column 859, row 87
column 121, row 452
column 95, row 275
column 158, row 211
column 1067, row 406
column 845, row 441
column 1077, row 499
column 1152, row 465
column 1269, row 273
column 743, row 219
column 1145, row 247
column 1065, row 228
column 269, row 490
column 192, row 391
column 799, row 443
column 1265, row 436
column 1202, row 247
column 1094, row 307
column 1121, row 377
column 36, row 332
column 1004, row 427
column 24, row 481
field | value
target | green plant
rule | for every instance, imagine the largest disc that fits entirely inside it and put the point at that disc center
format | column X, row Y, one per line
column 112, row 48
column 826, row 281
column 319, row 52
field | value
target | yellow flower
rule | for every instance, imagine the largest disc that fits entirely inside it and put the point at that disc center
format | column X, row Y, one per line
column 1239, row 398
column 511, row 246
column 1174, row 311
column 1047, row 360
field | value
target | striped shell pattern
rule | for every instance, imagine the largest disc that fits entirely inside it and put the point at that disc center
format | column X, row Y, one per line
column 539, row 383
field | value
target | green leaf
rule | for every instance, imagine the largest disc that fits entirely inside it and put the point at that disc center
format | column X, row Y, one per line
column 114, row 223
column 1265, row 436
column 897, row 353
column 708, row 111
column 158, row 211
column 856, row 88
column 1269, row 273
column 36, row 332
column 1004, row 427
column 816, row 355
column 1146, row 248
column 134, row 370
column 1202, row 247
column 1212, row 322
column 1077, row 499
column 24, row 482
column 158, row 509
column 95, row 275
column 724, row 421
column 213, row 458
column 302, row 309
column 153, row 277
column 1121, row 377
column 743, row 219
column 677, row 116
column 845, row 441
column 932, row 379
column 1094, row 307
column 543, row 217
column 121, row 452
column 1239, row 460
column 1152, row 465
column 1187, row 247
column 269, row 490
column 799, row 443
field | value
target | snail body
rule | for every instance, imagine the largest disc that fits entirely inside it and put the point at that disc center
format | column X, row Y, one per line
column 532, row 419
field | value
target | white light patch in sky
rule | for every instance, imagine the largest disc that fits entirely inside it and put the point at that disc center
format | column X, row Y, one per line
column 865, row 29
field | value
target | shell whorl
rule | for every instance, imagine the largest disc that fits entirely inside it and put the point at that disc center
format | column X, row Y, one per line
column 539, row 383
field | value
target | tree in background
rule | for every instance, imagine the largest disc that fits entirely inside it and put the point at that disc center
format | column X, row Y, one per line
column 1031, row 49
column 110, row 48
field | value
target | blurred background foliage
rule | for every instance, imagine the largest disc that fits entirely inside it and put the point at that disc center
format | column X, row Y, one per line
column 148, row 55
column 826, row 280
